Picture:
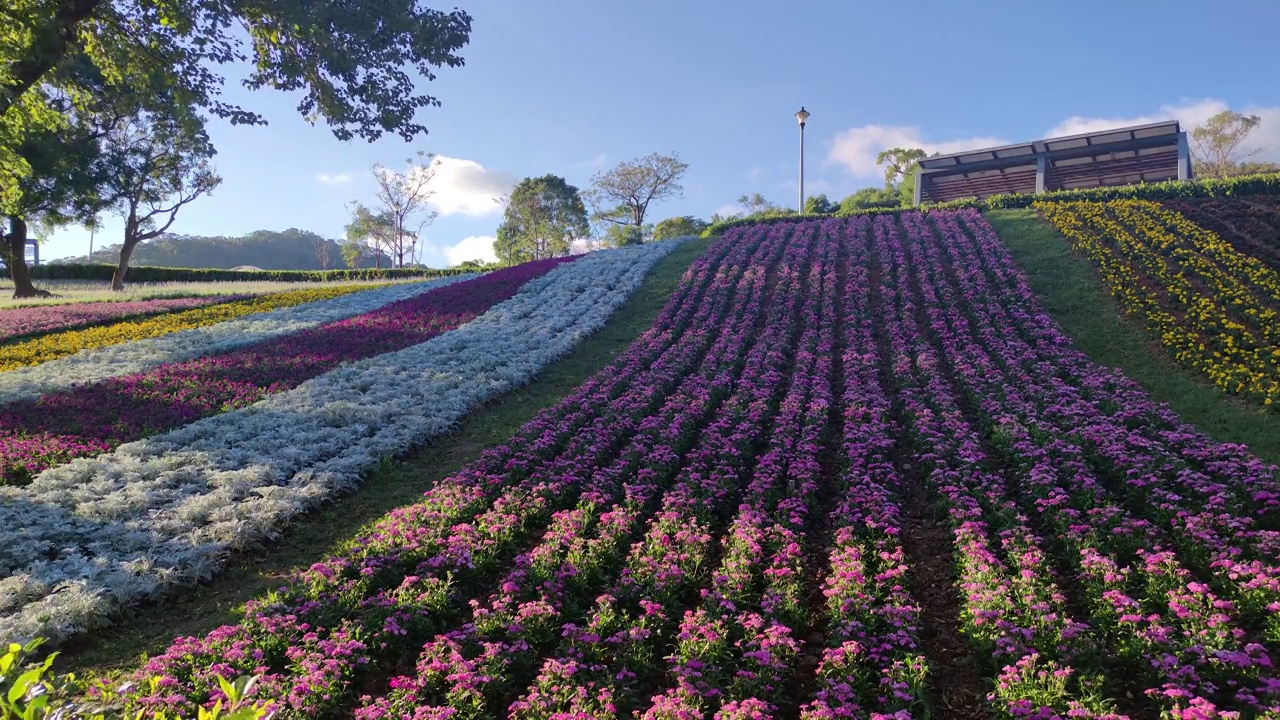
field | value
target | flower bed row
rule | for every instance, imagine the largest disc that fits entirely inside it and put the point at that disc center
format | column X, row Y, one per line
column 91, row 419
column 43, row 349
column 100, row 533
column 100, row 363
column 1215, row 309
column 1250, row 224
column 21, row 322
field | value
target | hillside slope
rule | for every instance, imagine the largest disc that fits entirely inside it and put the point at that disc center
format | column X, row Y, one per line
column 290, row 249
column 852, row 469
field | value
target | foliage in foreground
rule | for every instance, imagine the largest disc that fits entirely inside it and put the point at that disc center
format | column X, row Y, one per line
column 29, row 690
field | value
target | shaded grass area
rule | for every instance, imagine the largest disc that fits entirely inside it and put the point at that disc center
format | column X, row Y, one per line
column 1076, row 298
column 399, row 482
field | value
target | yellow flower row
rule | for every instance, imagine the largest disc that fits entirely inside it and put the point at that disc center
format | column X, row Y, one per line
column 51, row 347
column 1250, row 289
column 1209, row 305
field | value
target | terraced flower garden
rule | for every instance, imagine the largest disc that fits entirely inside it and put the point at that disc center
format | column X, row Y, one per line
column 851, row 469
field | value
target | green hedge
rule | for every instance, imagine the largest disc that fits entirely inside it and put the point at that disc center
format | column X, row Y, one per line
column 104, row 272
column 1264, row 184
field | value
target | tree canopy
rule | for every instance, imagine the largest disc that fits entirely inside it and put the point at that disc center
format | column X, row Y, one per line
column 543, row 216
column 682, row 226
column 819, row 205
column 622, row 195
column 354, row 69
column 1217, row 145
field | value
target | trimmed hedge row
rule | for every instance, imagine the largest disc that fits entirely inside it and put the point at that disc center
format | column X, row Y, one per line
column 1263, row 184
column 104, row 272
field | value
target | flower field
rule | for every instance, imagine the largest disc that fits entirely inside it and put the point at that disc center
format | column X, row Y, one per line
column 89, row 419
column 1250, row 224
column 17, row 323
column 102, row 533
column 93, row 364
column 51, row 347
column 1216, row 309
column 731, row 520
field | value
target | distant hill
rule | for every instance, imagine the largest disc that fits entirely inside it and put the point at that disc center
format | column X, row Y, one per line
column 291, row 249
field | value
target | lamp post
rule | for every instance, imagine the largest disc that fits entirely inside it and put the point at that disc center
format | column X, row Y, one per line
column 801, row 116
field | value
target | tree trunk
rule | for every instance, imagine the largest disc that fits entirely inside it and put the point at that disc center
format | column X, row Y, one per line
column 117, row 280
column 47, row 49
column 16, row 252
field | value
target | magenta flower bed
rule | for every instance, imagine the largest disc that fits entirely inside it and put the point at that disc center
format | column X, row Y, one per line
column 96, row 418
column 22, row 322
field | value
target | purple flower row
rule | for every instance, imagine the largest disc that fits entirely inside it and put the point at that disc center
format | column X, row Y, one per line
column 872, row 666
column 1090, row 455
column 98, row 417
column 735, row 652
column 619, row 649
column 22, row 322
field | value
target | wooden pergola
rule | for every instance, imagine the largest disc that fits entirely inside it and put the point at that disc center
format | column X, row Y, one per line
column 1123, row 156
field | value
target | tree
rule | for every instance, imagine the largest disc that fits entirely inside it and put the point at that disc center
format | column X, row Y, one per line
column 321, row 246
column 622, row 195
column 402, row 197
column 355, row 70
column 353, row 251
column 899, row 172
column 543, row 216
column 159, row 164
column 756, row 205
column 66, row 171
column 683, row 226
column 623, row 235
column 819, row 205
column 871, row 198
column 1216, row 145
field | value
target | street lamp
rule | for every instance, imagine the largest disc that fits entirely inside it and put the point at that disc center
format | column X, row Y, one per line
column 801, row 116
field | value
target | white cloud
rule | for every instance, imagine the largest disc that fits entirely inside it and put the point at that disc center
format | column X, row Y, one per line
column 595, row 163
column 856, row 148
column 476, row 247
column 465, row 187
column 333, row 179
column 729, row 210
column 756, row 174
column 1265, row 138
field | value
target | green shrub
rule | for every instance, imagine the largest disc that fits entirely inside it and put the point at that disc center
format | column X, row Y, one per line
column 103, row 272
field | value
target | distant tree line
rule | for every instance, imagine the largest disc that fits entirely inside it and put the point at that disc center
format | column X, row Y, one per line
column 291, row 249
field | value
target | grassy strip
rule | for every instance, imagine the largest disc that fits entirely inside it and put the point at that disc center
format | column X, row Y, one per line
column 396, row 483
column 1076, row 298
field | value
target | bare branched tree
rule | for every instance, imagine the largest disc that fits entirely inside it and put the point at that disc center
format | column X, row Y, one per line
column 622, row 195
column 1216, row 145
column 400, row 216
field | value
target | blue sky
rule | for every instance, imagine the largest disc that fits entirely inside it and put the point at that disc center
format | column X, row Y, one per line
column 573, row 86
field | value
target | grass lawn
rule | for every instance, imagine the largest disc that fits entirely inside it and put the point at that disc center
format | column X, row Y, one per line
column 396, row 483
column 1075, row 296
